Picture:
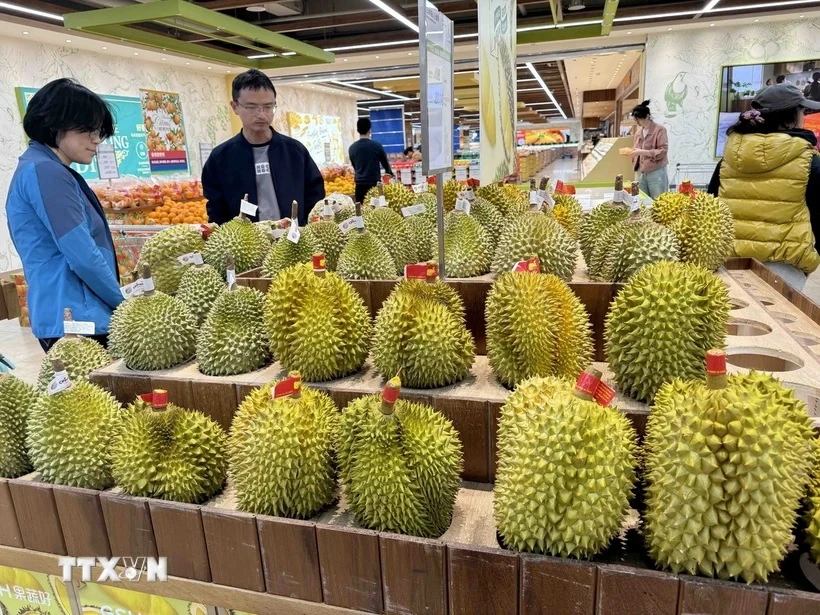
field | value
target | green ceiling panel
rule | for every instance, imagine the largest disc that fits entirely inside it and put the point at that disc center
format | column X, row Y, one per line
column 610, row 8
column 568, row 32
column 117, row 23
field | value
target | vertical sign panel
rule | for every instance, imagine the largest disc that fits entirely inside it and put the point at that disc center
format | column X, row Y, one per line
column 497, row 75
column 388, row 128
column 162, row 114
column 436, row 53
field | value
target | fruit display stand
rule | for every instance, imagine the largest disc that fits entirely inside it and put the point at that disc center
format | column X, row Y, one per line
column 260, row 564
column 606, row 162
column 9, row 299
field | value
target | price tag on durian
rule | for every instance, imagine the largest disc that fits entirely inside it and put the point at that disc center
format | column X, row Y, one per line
column 461, row 174
column 278, row 233
column 78, row 327
column 407, row 176
column 192, row 258
column 351, row 223
column 546, row 196
column 536, row 199
column 463, row 204
column 148, row 285
column 413, row 210
column 286, row 387
column 60, row 382
column 133, row 289
column 531, row 265
column 469, row 194
column 247, row 208
column 327, row 210
column 604, row 394
column 421, row 271
column 335, row 206
column 381, row 201
column 421, row 179
column 293, row 234
column 622, row 196
column 420, row 188
column 230, row 277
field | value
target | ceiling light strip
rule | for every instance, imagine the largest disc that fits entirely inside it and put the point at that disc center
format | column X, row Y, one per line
column 395, row 14
column 545, row 88
column 364, row 89
column 716, row 9
column 27, row 11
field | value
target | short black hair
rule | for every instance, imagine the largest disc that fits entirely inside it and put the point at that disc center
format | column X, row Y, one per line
column 815, row 77
column 781, row 78
column 251, row 80
column 63, row 105
column 408, row 150
column 641, row 111
column 364, row 125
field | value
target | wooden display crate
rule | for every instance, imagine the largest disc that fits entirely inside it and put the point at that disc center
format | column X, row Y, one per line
column 328, row 564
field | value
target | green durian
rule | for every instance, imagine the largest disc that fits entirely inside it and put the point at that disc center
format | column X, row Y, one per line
column 596, row 221
column 568, row 212
column 536, row 326
column 420, row 330
column 167, row 452
column 247, row 242
column 451, row 190
column 232, row 339
column 396, row 195
column 328, row 239
column 400, row 463
column 317, row 324
column 199, row 288
column 510, row 203
column 813, row 509
column 80, row 356
column 69, row 435
column 281, row 452
column 17, row 398
column 489, row 217
column 626, row 246
column 422, row 229
column 429, row 200
column 661, row 323
column 391, row 229
column 467, row 249
column 669, row 207
column 536, row 234
column 727, row 463
column 566, row 470
column 162, row 251
column 707, row 235
column 341, row 206
column 365, row 257
column 153, row 331
column 286, row 253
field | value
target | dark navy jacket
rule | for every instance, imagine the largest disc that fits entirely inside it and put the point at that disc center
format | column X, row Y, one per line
column 60, row 232
column 230, row 173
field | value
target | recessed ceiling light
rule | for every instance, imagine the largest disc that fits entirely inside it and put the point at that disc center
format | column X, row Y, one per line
column 711, row 25
column 105, row 48
column 187, row 63
column 227, row 71
column 68, row 40
column 25, row 32
column 258, row 8
column 668, row 29
column 209, row 68
column 163, row 59
column 136, row 53
column 377, row 57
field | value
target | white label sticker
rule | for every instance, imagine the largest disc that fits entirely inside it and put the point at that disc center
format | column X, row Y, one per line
column 60, row 382
column 192, row 258
column 461, row 174
column 107, row 161
column 132, row 290
column 230, row 277
column 469, row 194
column 381, row 201
column 413, row 210
column 147, row 284
column 293, row 233
column 547, row 197
column 463, row 205
column 420, row 188
column 248, row 208
column 351, row 223
column 278, row 233
column 621, row 196
column 421, row 179
column 78, row 327
column 263, row 168
column 608, row 196
column 335, row 207
column 536, row 199
column 327, row 210
column 446, row 176
column 407, row 176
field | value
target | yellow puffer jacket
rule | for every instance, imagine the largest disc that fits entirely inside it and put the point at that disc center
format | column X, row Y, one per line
column 763, row 179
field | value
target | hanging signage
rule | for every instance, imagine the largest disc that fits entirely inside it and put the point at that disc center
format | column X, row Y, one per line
column 436, row 54
column 107, row 161
column 497, row 83
column 166, row 141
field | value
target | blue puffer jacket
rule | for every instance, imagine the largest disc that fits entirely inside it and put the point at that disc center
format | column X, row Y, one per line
column 60, row 232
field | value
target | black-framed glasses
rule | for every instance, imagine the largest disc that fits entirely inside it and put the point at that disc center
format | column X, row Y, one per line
column 257, row 108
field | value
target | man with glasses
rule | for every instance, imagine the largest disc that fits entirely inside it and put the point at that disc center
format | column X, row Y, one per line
column 271, row 168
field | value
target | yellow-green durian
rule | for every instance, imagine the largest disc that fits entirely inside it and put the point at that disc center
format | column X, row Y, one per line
column 391, row 229
column 162, row 251
column 396, row 195
column 199, row 288
column 568, row 212
column 596, row 221
column 80, row 356
column 286, row 253
column 17, row 398
column 245, row 241
column 536, row 234
column 467, row 249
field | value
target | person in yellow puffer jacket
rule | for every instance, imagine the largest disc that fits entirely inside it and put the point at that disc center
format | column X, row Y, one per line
column 770, row 179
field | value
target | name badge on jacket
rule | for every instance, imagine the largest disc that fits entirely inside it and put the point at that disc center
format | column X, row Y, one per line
column 263, row 168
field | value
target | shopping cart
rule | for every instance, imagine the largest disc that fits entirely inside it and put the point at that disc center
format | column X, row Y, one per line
column 699, row 174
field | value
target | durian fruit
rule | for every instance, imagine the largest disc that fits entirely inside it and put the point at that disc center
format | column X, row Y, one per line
column 281, row 450
column 509, row 204
column 199, row 288
column 396, row 195
column 365, row 257
column 423, row 237
column 317, row 323
column 706, row 232
column 813, row 509
column 661, row 324
column 17, row 399
column 489, row 217
column 536, row 234
column 245, row 241
column 391, row 229
column 162, row 251
column 420, row 330
column 429, row 200
column 452, row 188
column 669, row 207
column 568, row 213
column 341, row 205
column 160, row 450
column 232, row 339
column 69, row 434
column 286, row 253
column 467, row 249
column 536, row 326
column 399, row 462
column 327, row 237
column 727, row 463
column 596, row 221
column 566, row 468
column 626, row 246
column 154, row 330
column 80, row 356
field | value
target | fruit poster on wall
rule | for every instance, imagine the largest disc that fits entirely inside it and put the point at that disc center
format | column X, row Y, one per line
column 109, row 600
column 129, row 138
column 22, row 591
column 497, row 71
column 320, row 134
column 162, row 115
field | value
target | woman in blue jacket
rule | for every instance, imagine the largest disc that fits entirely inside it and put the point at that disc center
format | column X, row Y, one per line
column 56, row 222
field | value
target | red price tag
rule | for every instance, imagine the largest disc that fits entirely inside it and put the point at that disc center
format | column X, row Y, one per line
column 532, row 265
column 287, row 387
column 206, row 230
column 319, row 262
column 314, row 219
column 604, row 394
column 587, row 383
column 431, row 180
column 390, row 394
column 421, row 271
column 148, row 398
column 687, row 188
column 386, row 179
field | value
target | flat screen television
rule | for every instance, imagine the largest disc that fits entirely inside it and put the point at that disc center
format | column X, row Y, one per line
column 740, row 84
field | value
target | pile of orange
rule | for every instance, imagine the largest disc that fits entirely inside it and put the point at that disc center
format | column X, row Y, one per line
column 179, row 212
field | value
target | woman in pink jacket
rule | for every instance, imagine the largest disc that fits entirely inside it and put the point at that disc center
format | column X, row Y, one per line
column 650, row 154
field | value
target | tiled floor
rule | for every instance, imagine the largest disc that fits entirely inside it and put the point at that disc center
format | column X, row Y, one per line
column 20, row 346
column 565, row 169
